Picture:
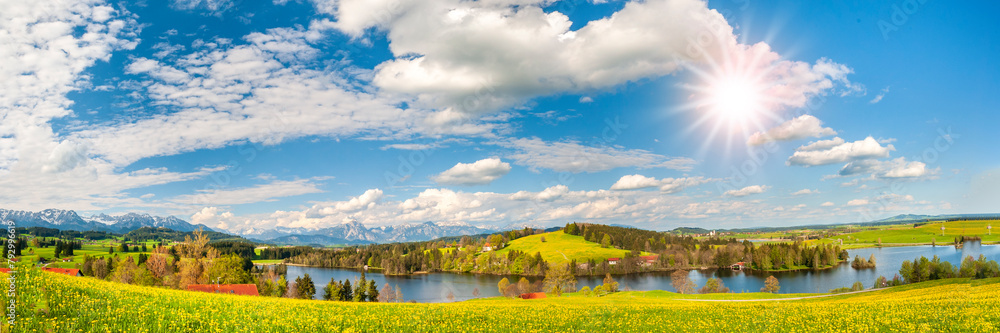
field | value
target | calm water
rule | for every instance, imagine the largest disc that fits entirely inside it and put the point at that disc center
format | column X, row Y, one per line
column 436, row 287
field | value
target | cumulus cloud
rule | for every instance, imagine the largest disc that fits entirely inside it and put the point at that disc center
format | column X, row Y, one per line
column 827, row 204
column 477, row 56
column 837, row 151
column 571, row 156
column 666, row 185
column 898, row 168
column 481, row 172
column 753, row 189
column 799, row 128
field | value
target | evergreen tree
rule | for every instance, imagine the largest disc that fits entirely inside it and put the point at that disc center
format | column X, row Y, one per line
column 347, row 293
column 304, row 285
column 372, row 291
column 332, row 290
column 361, row 289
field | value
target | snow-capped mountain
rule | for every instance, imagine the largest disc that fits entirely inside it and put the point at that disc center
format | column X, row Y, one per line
column 70, row 220
column 354, row 232
column 351, row 232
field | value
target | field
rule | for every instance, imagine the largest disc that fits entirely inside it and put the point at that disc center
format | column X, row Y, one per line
column 924, row 234
column 560, row 247
column 98, row 249
column 74, row 304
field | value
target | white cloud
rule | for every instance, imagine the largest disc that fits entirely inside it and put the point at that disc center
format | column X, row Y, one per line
column 881, row 94
column 488, row 55
column 213, row 7
column 570, row 156
column 481, row 172
column 825, row 152
column 799, row 128
column 858, row 202
column 805, row 192
column 586, row 99
column 666, row 185
column 259, row 193
column 263, row 90
column 753, row 189
column 892, row 169
column 827, row 204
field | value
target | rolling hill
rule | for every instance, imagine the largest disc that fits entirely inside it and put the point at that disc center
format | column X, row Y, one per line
column 560, row 247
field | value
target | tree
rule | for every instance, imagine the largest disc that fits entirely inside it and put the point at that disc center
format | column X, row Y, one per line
column 585, row 291
column 524, row 286
column 881, row 282
column 399, row 294
column 386, row 295
column 610, row 285
column 606, row 241
column 305, row 287
column 228, row 270
column 332, row 290
column 714, row 285
column 770, row 285
column 281, row 287
column 347, row 293
column 543, row 239
column 372, row 291
column 679, row 279
column 361, row 289
column 558, row 279
column 502, row 286
column 857, row 286
column 143, row 247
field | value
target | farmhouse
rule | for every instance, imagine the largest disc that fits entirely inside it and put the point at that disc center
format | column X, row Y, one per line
column 613, row 261
column 67, row 271
column 739, row 266
column 649, row 260
column 487, row 247
column 235, row 289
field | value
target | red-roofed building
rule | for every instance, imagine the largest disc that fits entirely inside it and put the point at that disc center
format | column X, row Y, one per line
column 487, row 247
column 235, row 289
column 649, row 260
column 613, row 261
column 67, row 271
column 533, row 296
column 739, row 265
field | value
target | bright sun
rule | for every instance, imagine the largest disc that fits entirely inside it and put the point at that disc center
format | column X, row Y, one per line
column 734, row 98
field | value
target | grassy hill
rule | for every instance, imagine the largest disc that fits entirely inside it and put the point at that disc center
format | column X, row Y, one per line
column 923, row 233
column 74, row 304
column 560, row 247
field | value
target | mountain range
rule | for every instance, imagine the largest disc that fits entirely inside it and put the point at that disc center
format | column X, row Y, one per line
column 70, row 220
column 351, row 232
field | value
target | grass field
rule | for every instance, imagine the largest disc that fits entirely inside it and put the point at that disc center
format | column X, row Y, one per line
column 73, row 304
column 924, row 234
column 560, row 247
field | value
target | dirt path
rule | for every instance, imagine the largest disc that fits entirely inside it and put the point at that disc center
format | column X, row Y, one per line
column 777, row 299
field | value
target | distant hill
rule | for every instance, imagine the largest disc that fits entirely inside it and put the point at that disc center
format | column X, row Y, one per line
column 560, row 247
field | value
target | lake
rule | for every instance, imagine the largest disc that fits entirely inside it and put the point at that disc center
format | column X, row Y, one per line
column 436, row 287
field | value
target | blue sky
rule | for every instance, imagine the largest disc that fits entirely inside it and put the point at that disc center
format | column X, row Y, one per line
column 658, row 113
